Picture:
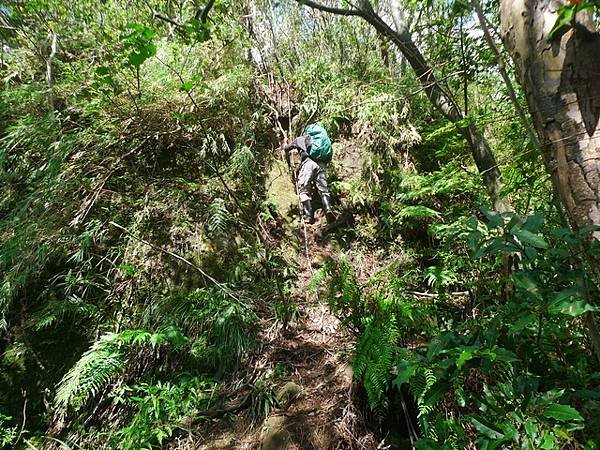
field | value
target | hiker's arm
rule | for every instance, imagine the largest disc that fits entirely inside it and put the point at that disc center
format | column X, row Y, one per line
column 289, row 147
column 299, row 144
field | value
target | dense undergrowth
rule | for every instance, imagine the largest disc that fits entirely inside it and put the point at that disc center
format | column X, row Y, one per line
column 140, row 255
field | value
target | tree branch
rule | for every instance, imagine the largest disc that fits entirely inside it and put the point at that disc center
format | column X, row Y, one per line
column 331, row 9
column 167, row 19
column 202, row 14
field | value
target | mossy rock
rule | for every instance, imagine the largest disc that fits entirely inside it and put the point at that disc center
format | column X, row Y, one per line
column 287, row 394
column 274, row 436
column 224, row 443
column 281, row 191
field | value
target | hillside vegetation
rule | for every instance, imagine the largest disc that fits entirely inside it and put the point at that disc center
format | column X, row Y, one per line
column 159, row 289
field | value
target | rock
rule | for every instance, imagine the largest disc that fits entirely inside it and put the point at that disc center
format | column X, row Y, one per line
column 225, row 443
column 287, row 394
column 274, row 436
column 281, row 190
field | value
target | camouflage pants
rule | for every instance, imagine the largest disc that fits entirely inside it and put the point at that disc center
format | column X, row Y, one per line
column 313, row 172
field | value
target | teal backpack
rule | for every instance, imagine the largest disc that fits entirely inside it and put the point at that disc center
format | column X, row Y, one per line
column 321, row 149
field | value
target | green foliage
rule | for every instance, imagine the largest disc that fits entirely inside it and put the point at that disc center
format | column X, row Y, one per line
column 495, row 369
column 263, row 400
column 8, row 433
column 374, row 355
column 105, row 359
column 159, row 409
column 220, row 329
column 165, row 126
column 382, row 313
column 217, row 219
column 566, row 15
column 139, row 44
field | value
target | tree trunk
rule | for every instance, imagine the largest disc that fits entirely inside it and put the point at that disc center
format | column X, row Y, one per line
column 49, row 74
column 560, row 79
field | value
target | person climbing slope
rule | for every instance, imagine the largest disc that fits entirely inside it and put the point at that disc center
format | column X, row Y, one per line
column 315, row 150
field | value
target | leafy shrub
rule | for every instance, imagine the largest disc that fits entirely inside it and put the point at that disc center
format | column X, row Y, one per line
column 160, row 408
column 491, row 379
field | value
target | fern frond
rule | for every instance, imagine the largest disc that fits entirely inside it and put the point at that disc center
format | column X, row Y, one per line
column 96, row 367
column 373, row 359
column 206, row 315
column 99, row 365
column 241, row 163
column 54, row 311
column 319, row 278
column 218, row 217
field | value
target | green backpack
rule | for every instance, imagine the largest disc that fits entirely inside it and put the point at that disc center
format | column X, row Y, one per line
column 321, row 149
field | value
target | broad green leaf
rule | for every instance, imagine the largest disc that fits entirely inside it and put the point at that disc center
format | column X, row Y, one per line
column 531, row 253
column 505, row 355
column 486, row 428
column 589, row 229
column 435, row 347
column 150, row 50
column 406, row 370
column 548, row 441
column 571, row 308
column 534, row 222
column 130, row 269
column 187, row 86
column 562, row 413
column 465, row 356
column 102, row 70
column 531, row 428
column 526, row 282
column 495, row 219
column 527, row 237
column 136, row 59
column 565, row 16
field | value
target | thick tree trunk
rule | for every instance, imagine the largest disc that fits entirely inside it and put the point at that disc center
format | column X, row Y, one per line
column 442, row 100
column 561, row 83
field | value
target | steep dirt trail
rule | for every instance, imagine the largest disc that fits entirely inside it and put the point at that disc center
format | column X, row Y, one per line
column 324, row 413
column 316, row 405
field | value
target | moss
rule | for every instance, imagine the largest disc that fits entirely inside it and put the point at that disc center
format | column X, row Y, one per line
column 281, row 191
column 287, row 394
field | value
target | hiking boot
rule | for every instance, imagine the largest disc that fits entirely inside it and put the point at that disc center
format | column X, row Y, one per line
column 330, row 216
column 327, row 208
column 307, row 212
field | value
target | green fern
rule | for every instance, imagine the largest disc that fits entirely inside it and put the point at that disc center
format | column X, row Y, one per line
column 102, row 363
column 241, row 164
column 218, row 217
column 373, row 360
column 319, row 277
column 54, row 311
column 219, row 327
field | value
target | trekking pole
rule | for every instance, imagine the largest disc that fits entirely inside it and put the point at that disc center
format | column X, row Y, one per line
column 302, row 221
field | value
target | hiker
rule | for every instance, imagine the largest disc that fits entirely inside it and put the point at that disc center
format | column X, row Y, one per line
column 315, row 152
